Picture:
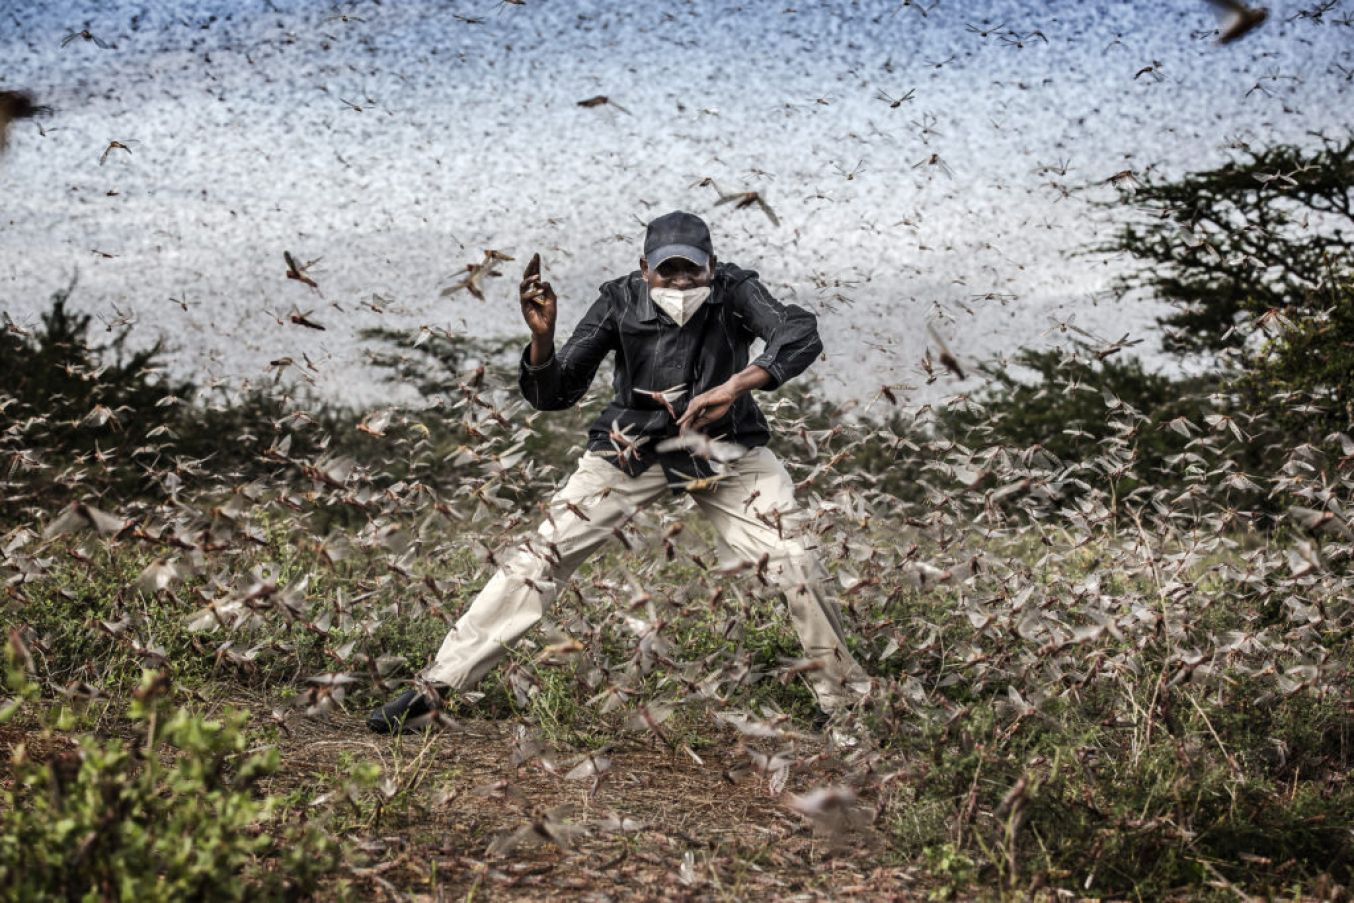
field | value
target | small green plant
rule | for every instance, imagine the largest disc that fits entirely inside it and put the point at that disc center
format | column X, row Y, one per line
column 947, row 863
column 173, row 813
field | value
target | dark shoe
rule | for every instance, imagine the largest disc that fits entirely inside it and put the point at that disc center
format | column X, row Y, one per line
column 404, row 714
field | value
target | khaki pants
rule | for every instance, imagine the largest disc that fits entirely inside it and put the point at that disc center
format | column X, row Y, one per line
column 518, row 595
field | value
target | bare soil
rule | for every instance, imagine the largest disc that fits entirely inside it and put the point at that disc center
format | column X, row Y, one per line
column 703, row 836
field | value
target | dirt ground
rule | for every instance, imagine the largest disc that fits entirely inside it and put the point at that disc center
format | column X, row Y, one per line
column 700, row 835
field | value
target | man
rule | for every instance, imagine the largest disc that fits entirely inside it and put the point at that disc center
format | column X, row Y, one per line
column 680, row 327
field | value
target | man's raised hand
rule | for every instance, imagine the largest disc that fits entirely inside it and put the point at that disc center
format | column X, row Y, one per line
column 538, row 300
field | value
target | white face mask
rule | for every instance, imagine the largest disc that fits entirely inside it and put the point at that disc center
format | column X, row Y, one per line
column 678, row 303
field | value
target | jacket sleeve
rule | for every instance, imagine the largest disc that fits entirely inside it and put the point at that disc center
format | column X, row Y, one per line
column 561, row 381
column 790, row 331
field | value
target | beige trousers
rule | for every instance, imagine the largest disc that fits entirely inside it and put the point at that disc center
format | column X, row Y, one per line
column 518, row 595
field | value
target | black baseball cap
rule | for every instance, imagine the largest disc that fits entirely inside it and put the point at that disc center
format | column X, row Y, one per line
column 677, row 234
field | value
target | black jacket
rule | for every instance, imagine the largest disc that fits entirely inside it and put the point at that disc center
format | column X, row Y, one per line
column 653, row 352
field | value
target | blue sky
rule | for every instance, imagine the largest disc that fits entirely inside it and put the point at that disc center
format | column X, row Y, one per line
column 395, row 142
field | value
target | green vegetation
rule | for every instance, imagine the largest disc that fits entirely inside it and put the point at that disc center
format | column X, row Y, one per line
column 171, row 812
column 1104, row 611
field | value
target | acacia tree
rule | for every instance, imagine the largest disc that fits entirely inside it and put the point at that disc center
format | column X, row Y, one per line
column 1225, row 246
column 1255, row 256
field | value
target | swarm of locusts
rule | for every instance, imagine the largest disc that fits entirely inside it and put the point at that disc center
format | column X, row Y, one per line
column 1002, row 590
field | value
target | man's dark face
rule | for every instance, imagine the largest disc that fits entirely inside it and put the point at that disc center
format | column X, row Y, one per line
column 678, row 273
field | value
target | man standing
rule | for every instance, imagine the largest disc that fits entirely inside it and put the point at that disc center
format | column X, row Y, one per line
column 681, row 327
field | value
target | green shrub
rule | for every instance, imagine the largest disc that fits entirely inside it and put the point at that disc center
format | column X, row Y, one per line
column 172, row 813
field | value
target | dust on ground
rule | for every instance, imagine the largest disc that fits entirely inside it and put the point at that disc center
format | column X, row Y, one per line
column 699, row 834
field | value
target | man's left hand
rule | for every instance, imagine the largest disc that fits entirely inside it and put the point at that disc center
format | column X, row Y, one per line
column 708, row 407
column 713, row 404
